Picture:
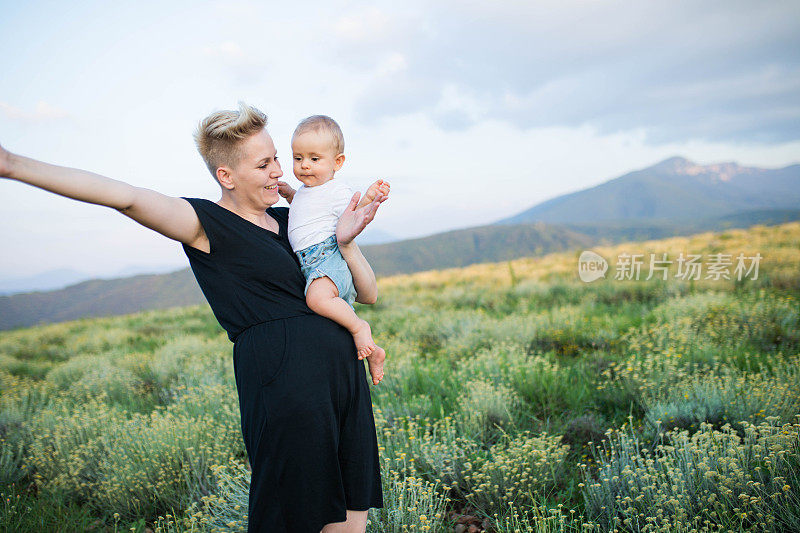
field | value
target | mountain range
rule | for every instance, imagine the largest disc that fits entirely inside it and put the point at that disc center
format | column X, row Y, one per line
column 675, row 189
column 673, row 197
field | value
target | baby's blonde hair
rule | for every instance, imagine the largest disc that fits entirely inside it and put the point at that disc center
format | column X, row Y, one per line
column 219, row 135
column 322, row 123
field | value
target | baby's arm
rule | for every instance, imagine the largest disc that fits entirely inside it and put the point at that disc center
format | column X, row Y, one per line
column 379, row 187
column 286, row 191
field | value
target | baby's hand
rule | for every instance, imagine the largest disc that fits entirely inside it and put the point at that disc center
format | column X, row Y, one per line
column 286, row 191
column 379, row 187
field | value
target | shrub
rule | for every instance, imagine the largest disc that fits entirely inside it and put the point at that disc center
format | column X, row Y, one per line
column 714, row 477
column 224, row 510
column 727, row 395
column 410, row 503
column 486, row 405
column 519, row 470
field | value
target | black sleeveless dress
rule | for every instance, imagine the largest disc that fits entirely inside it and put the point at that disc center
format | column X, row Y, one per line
column 304, row 398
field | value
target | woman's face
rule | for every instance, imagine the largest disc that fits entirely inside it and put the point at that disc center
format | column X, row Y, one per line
column 255, row 177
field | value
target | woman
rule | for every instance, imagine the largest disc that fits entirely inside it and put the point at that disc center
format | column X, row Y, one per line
column 305, row 404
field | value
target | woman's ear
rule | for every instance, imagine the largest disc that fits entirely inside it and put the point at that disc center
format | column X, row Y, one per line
column 338, row 162
column 225, row 178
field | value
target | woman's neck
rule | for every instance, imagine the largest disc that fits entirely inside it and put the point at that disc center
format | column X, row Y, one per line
column 246, row 211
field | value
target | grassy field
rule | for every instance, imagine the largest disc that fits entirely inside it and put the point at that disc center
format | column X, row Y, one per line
column 516, row 398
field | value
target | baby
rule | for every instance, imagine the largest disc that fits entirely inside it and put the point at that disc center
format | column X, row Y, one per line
column 317, row 147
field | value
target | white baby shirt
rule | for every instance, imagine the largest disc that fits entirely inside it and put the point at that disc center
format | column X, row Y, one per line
column 314, row 212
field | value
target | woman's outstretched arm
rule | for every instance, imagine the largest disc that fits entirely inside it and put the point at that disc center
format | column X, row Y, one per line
column 172, row 217
column 351, row 223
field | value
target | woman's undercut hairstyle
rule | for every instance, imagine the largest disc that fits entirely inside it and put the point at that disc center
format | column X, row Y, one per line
column 325, row 124
column 219, row 135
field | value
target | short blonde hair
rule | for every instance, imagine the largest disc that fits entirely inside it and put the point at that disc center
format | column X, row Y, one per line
column 219, row 135
column 322, row 123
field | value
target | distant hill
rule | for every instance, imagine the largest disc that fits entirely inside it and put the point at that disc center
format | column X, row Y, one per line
column 673, row 190
column 46, row 281
column 616, row 231
column 375, row 236
column 60, row 278
column 100, row 298
column 469, row 246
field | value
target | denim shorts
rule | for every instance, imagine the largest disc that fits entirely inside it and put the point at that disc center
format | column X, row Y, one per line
column 325, row 259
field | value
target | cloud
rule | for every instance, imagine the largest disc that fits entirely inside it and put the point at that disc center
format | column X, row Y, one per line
column 41, row 113
column 677, row 70
column 240, row 66
column 227, row 51
column 365, row 26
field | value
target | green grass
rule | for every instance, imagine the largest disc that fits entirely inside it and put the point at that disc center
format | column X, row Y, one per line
column 514, row 396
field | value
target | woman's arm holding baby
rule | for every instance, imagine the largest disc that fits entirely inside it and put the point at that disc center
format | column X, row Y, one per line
column 172, row 217
column 363, row 276
column 351, row 223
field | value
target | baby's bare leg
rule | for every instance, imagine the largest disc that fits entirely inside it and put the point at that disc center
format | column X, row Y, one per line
column 323, row 298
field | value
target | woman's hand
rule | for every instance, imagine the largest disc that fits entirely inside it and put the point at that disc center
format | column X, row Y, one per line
column 5, row 163
column 354, row 220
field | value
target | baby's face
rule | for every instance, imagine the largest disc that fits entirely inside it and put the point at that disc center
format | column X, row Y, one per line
column 315, row 158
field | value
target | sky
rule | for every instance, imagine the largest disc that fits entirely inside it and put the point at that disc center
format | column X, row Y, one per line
column 474, row 111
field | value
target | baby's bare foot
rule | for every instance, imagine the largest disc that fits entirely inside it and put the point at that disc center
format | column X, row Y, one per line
column 363, row 338
column 375, row 361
